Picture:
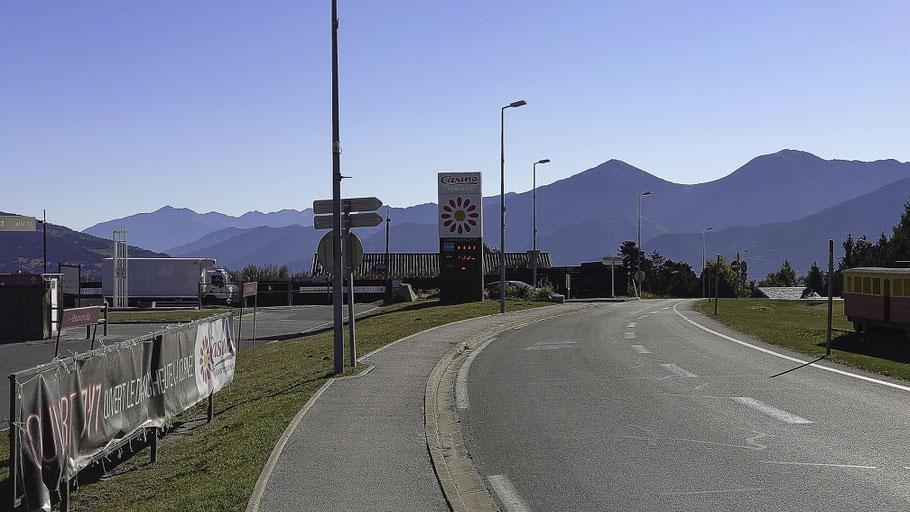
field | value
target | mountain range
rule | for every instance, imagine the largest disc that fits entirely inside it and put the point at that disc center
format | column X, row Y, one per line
column 777, row 205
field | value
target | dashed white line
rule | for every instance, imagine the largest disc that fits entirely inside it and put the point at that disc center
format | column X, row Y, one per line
column 461, row 380
column 641, row 349
column 774, row 412
column 676, row 370
column 629, row 335
column 507, row 494
column 551, row 345
column 788, row 463
column 631, row 325
column 718, row 491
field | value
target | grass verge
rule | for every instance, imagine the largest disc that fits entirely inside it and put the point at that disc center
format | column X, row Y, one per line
column 802, row 325
column 216, row 467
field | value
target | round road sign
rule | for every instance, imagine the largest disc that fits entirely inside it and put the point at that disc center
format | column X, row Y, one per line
column 743, row 267
column 352, row 246
column 640, row 276
column 734, row 266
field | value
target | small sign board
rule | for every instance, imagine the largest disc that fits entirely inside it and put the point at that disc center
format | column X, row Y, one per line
column 78, row 317
column 743, row 267
column 328, row 289
column 640, row 276
column 612, row 260
column 17, row 223
column 20, row 279
column 250, row 289
column 354, row 220
column 734, row 266
column 354, row 204
column 325, row 252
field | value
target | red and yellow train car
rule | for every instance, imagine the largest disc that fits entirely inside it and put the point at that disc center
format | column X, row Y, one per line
column 877, row 296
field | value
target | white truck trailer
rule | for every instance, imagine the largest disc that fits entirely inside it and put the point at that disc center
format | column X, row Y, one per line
column 172, row 281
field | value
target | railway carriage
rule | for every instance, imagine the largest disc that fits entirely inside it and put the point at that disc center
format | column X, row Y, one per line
column 875, row 296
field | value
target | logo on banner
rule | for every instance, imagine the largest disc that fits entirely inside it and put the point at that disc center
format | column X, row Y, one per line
column 459, row 215
column 213, row 358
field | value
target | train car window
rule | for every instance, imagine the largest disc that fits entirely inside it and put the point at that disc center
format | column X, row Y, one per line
column 848, row 284
column 867, row 285
column 907, row 287
column 876, row 286
column 898, row 287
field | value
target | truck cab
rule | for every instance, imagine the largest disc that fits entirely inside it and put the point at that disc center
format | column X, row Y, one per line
column 217, row 288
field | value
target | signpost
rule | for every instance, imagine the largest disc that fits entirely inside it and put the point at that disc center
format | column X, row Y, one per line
column 351, row 256
column 460, row 224
column 612, row 261
column 17, row 223
column 250, row 289
column 78, row 317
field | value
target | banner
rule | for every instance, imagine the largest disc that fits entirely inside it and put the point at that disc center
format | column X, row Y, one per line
column 73, row 410
column 460, row 208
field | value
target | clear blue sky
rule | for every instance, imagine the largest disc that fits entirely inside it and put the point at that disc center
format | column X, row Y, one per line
column 109, row 108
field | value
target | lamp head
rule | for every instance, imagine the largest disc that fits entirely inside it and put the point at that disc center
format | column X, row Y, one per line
column 648, row 193
column 544, row 161
column 519, row 103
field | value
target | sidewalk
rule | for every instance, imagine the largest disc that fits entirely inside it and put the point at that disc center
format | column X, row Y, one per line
column 362, row 444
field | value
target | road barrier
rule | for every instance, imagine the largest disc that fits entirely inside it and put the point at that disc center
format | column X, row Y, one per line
column 71, row 412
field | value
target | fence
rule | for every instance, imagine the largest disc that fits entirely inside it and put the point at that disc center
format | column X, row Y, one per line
column 72, row 412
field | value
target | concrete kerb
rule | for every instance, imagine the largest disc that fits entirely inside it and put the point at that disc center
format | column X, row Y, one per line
column 463, row 487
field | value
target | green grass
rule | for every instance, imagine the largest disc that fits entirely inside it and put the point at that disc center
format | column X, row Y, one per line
column 168, row 315
column 216, row 467
column 801, row 326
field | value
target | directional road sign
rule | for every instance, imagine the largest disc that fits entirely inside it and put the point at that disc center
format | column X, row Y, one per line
column 17, row 223
column 612, row 260
column 325, row 251
column 354, row 204
column 354, row 220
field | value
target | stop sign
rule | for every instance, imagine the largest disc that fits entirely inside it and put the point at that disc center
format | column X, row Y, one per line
column 734, row 266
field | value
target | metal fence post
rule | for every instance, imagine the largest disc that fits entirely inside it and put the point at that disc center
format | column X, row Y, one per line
column 13, row 442
column 153, row 455
column 210, row 413
column 830, row 294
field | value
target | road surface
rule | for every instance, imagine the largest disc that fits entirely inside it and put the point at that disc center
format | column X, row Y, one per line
column 632, row 407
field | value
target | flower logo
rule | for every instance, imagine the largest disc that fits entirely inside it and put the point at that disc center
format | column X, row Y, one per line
column 205, row 360
column 460, row 215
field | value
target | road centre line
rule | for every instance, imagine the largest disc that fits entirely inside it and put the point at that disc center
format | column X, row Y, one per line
column 676, row 370
column 789, row 358
column 631, row 325
column 629, row 335
column 774, row 412
column 507, row 493
column 461, row 380
column 641, row 349
column 718, row 491
column 821, row 464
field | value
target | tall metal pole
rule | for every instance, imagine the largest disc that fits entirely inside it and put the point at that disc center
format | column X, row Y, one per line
column 44, row 243
column 716, row 283
column 502, row 210
column 830, row 294
column 638, row 250
column 534, row 228
column 338, row 311
column 388, row 287
column 703, row 263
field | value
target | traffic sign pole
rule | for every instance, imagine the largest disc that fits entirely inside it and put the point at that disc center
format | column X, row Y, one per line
column 353, row 340
column 337, row 308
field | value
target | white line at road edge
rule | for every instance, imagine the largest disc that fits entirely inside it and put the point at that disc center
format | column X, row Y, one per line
column 789, row 358
column 461, row 380
column 507, row 493
column 774, row 412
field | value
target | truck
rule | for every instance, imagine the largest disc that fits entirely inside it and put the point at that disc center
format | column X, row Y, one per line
column 171, row 281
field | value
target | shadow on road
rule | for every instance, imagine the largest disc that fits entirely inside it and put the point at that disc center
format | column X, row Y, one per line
column 883, row 344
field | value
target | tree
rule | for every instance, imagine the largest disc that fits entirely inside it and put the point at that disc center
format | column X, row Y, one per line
column 786, row 274
column 728, row 279
column 815, row 280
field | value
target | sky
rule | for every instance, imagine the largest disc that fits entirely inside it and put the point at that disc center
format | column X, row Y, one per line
column 111, row 108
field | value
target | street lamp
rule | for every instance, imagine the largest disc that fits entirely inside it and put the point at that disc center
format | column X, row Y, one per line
column 502, row 202
column 534, row 215
column 703, row 264
column 637, row 275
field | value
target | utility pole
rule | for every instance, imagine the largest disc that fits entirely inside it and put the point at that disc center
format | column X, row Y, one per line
column 44, row 243
column 337, row 307
column 388, row 285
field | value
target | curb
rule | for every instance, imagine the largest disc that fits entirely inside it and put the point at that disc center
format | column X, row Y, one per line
column 461, row 483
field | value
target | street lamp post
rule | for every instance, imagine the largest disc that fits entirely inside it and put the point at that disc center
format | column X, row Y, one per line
column 648, row 193
column 703, row 264
column 502, row 202
column 534, row 231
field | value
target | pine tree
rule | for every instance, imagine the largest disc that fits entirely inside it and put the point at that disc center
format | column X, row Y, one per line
column 815, row 280
column 786, row 275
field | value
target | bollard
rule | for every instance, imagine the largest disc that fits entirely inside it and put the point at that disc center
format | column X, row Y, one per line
column 211, row 412
column 153, row 455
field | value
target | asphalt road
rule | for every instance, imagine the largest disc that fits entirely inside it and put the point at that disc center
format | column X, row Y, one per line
column 631, row 407
column 272, row 324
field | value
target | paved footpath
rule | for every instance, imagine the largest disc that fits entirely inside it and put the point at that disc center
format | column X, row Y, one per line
column 362, row 444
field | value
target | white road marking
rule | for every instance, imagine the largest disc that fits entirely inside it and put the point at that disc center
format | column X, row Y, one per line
column 787, row 463
column 551, row 345
column 631, row 325
column 507, row 493
column 641, row 349
column 630, row 335
column 774, row 412
column 668, row 307
column 461, row 380
column 754, row 440
column 677, row 371
column 719, row 491
column 703, row 384
column 789, row 358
